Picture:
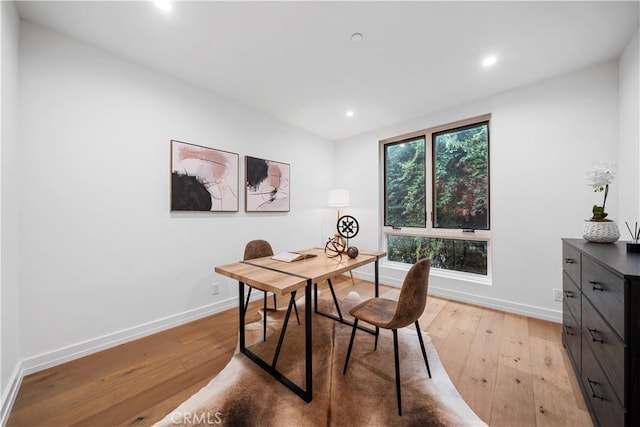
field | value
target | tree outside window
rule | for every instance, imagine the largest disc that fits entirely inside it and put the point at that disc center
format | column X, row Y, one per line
column 405, row 184
column 461, row 178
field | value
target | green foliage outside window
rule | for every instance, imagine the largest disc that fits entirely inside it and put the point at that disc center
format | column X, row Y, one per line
column 468, row 256
column 461, row 187
column 405, row 184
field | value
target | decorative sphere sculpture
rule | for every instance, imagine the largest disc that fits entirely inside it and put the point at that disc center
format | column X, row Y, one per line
column 340, row 242
column 333, row 248
column 352, row 251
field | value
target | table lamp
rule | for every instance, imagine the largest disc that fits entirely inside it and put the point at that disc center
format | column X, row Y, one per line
column 338, row 198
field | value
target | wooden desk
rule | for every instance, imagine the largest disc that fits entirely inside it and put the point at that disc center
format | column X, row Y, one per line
column 284, row 278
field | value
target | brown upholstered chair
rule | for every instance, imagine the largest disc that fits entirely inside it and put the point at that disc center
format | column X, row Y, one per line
column 258, row 249
column 388, row 314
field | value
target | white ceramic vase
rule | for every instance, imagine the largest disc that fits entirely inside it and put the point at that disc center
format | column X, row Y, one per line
column 600, row 231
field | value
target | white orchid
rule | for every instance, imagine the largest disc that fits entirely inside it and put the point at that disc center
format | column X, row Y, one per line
column 601, row 175
column 599, row 178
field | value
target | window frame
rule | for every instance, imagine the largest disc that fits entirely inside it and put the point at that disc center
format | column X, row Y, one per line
column 429, row 231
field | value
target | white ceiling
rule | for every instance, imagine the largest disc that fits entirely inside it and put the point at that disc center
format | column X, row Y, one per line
column 296, row 61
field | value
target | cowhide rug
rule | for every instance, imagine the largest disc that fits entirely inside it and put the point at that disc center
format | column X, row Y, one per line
column 242, row 394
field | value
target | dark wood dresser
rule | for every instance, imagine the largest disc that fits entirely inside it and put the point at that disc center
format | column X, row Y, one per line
column 601, row 327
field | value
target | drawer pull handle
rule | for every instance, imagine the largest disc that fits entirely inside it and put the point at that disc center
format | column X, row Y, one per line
column 568, row 294
column 567, row 330
column 593, row 393
column 569, row 261
column 593, row 337
column 596, row 286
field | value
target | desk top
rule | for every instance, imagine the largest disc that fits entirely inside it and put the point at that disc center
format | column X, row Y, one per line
column 281, row 277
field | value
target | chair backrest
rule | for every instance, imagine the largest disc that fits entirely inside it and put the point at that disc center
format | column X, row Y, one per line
column 257, row 249
column 413, row 295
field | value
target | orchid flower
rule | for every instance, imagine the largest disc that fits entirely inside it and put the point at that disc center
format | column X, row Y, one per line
column 599, row 178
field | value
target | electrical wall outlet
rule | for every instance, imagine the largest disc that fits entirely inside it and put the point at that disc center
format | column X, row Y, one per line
column 557, row 294
column 215, row 289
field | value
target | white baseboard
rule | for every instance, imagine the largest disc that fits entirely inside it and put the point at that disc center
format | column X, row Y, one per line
column 75, row 351
column 9, row 396
column 52, row 358
column 498, row 304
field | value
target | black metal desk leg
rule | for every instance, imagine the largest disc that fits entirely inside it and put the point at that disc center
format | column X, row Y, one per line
column 308, row 342
column 264, row 317
column 246, row 304
column 377, row 290
column 377, row 282
column 315, row 296
column 283, row 331
column 339, row 317
column 335, row 299
column 241, row 310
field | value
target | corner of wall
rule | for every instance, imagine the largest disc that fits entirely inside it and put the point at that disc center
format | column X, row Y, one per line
column 629, row 129
column 10, row 393
column 9, row 214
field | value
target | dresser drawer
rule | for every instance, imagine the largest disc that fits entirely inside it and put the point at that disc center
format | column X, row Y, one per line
column 571, row 338
column 571, row 262
column 606, row 408
column 606, row 291
column 571, row 296
column 606, row 347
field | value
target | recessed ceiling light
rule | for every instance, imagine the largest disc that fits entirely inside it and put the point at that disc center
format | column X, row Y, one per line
column 356, row 37
column 489, row 61
column 349, row 113
column 163, row 5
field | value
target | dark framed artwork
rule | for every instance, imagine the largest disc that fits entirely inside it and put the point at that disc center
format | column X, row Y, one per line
column 203, row 179
column 267, row 185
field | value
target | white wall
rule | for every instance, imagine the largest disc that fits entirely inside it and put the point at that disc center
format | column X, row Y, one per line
column 9, row 239
column 629, row 156
column 103, row 259
column 544, row 137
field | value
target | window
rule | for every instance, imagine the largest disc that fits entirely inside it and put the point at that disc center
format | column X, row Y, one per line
column 436, row 196
column 405, row 184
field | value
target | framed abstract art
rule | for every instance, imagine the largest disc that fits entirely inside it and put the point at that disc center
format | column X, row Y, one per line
column 203, row 179
column 267, row 185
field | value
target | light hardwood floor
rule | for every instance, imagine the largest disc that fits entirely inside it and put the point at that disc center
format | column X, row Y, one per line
column 512, row 370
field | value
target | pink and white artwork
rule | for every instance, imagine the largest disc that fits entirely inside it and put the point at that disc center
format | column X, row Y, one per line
column 203, row 179
column 267, row 185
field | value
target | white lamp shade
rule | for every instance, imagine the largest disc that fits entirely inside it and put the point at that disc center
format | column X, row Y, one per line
column 338, row 197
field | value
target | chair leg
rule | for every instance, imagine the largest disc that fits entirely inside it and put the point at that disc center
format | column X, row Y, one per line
column 397, row 360
column 424, row 352
column 375, row 345
column 275, row 306
column 353, row 335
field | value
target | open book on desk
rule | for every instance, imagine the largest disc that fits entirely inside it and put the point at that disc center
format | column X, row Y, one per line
column 291, row 256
